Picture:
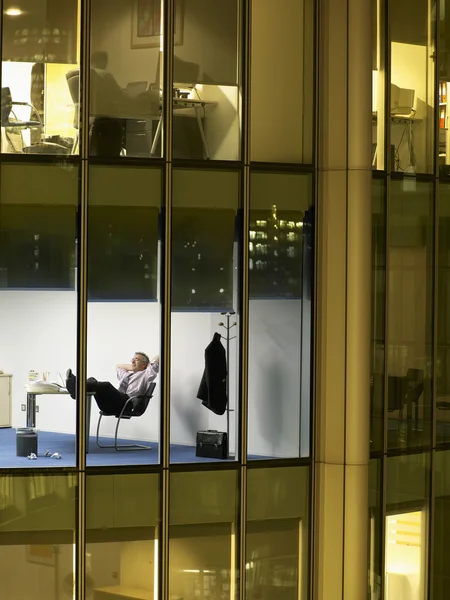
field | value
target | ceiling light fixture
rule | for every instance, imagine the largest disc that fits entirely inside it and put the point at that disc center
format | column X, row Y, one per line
column 13, row 12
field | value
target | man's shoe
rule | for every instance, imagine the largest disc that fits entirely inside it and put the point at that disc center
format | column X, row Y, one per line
column 71, row 383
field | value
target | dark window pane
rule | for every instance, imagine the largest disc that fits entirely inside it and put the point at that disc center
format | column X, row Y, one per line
column 443, row 329
column 375, row 522
column 37, row 535
column 123, row 234
column 203, row 534
column 38, row 227
column 122, row 538
column 378, row 313
column 410, row 306
column 202, row 258
column 277, row 559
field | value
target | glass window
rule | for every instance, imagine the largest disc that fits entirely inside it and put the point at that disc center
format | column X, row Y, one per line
column 38, row 307
column 378, row 313
column 378, row 84
column 37, row 535
column 125, row 78
column 277, row 559
column 203, row 535
column 441, row 534
column 406, row 527
column 122, row 536
column 443, row 328
column 412, row 87
column 205, row 263
column 123, row 313
column 206, row 80
column 281, row 258
column 282, row 90
column 443, row 88
column 410, row 305
column 375, row 530
column 39, row 47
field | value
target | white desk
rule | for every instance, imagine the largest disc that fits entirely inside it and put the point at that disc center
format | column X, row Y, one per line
column 32, row 394
column 123, row 593
column 180, row 104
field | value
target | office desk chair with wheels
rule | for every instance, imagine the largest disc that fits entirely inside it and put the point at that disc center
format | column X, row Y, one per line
column 134, row 407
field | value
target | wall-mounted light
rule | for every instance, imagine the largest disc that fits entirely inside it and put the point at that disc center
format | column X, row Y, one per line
column 13, row 12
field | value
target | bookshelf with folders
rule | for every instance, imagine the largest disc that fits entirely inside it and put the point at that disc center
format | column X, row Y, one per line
column 444, row 141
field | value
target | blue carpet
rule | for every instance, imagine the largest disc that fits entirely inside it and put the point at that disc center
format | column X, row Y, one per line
column 64, row 444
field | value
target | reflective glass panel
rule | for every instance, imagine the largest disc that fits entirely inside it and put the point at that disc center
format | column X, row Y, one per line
column 410, row 306
column 38, row 310
column 40, row 45
column 443, row 329
column 378, row 84
column 412, row 86
column 443, row 87
column 441, row 525
column 282, row 81
column 122, row 536
column 375, row 530
column 203, row 535
column 281, row 258
column 37, row 536
column 378, row 313
column 123, row 314
column 206, row 99
column 205, row 323
column 125, row 78
column 277, row 560
column 406, row 527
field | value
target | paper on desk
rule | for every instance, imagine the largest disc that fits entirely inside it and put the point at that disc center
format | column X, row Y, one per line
column 44, row 386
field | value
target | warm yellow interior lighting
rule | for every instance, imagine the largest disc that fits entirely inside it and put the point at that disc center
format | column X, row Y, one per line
column 13, row 12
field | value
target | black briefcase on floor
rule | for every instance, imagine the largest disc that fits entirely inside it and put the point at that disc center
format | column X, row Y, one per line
column 211, row 444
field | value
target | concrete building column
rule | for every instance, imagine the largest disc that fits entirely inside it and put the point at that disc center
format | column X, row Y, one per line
column 343, row 300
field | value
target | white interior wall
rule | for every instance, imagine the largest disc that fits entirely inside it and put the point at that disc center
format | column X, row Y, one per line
column 274, row 377
column 39, row 332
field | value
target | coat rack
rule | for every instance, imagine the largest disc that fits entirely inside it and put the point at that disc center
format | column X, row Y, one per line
column 227, row 326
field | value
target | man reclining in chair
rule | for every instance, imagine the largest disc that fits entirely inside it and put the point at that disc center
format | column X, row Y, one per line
column 134, row 381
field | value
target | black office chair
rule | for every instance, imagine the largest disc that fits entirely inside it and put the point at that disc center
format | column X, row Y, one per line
column 11, row 124
column 134, row 407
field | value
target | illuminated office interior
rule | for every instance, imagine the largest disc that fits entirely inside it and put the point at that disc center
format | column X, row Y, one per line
column 127, row 226
column 272, row 173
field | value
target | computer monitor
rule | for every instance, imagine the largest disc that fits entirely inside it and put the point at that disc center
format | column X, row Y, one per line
column 134, row 88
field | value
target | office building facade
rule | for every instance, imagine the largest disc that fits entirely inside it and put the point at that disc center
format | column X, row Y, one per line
column 271, row 173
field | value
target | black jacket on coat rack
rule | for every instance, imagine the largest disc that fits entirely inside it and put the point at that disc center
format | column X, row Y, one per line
column 213, row 386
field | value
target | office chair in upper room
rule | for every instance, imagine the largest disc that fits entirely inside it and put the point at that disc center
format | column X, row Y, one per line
column 73, row 82
column 12, row 127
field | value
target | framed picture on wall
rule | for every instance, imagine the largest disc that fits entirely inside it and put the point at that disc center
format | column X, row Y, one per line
column 146, row 23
